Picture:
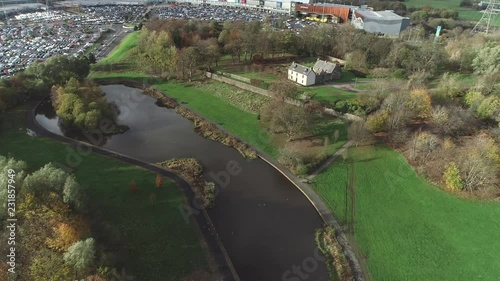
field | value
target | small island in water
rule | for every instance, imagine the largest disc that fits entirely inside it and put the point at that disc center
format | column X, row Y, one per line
column 82, row 108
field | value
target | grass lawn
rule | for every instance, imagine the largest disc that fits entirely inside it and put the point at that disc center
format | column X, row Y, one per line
column 449, row 4
column 464, row 13
column 266, row 77
column 246, row 71
column 409, row 229
column 348, row 76
column 327, row 94
column 121, row 51
column 155, row 238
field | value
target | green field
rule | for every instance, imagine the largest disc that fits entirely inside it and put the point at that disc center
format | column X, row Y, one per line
column 156, row 238
column 409, row 229
column 449, row 4
column 464, row 13
column 328, row 94
column 122, row 50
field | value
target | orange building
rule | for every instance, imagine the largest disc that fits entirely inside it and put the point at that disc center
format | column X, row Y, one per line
column 342, row 12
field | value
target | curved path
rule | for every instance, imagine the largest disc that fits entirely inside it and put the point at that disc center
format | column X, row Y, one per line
column 215, row 247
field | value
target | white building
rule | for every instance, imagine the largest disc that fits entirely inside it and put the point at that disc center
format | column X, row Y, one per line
column 301, row 74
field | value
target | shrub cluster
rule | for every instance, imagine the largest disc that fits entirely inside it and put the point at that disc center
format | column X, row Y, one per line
column 336, row 262
column 192, row 171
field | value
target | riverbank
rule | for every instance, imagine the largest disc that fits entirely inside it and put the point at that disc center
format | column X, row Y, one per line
column 158, row 133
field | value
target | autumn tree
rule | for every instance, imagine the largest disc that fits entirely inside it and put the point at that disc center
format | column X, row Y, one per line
column 159, row 181
column 452, row 177
column 157, row 49
column 420, row 102
column 487, row 60
column 65, row 235
column 377, row 121
column 133, row 186
column 189, row 58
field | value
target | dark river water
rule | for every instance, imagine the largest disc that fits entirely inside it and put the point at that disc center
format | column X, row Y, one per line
column 265, row 223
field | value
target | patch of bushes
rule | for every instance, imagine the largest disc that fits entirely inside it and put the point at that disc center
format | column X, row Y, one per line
column 336, row 262
column 192, row 170
column 351, row 106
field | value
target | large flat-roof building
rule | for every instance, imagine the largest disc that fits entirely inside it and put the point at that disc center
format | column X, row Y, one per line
column 383, row 22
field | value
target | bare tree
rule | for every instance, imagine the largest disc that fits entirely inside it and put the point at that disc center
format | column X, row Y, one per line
column 284, row 89
column 359, row 134
column 293, row 121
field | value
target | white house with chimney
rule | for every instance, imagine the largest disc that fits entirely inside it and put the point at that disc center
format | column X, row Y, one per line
column 302, row 75
column 321, row 72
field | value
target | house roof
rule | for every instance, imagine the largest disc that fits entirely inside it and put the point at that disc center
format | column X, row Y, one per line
column 321, row 67
column 300, row 68
column 379, row 15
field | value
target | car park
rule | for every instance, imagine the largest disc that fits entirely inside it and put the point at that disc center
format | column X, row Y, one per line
column 31, row 36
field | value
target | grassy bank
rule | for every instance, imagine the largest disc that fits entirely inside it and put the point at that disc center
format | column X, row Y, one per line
column 153, row 235
column 120, row 52
column 408, row 229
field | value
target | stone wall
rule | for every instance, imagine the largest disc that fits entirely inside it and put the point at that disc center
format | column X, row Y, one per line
column 248, row 87
column 234, row 76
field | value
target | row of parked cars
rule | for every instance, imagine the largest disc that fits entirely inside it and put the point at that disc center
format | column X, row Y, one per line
column 116, row 13
column 27, row 37
column 209, row 13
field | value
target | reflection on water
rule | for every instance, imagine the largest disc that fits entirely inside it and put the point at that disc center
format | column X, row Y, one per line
column 265, row 223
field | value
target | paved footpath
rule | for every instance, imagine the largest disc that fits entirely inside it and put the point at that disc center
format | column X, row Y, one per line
column 329, row 161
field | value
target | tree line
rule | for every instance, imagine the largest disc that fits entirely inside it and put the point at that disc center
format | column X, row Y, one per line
column 449, row 131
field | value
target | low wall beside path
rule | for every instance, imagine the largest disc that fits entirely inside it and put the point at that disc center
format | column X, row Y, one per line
column 248, row 87
column 234, row 76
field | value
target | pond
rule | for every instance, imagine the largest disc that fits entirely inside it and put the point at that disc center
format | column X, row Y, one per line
column 265, row 223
